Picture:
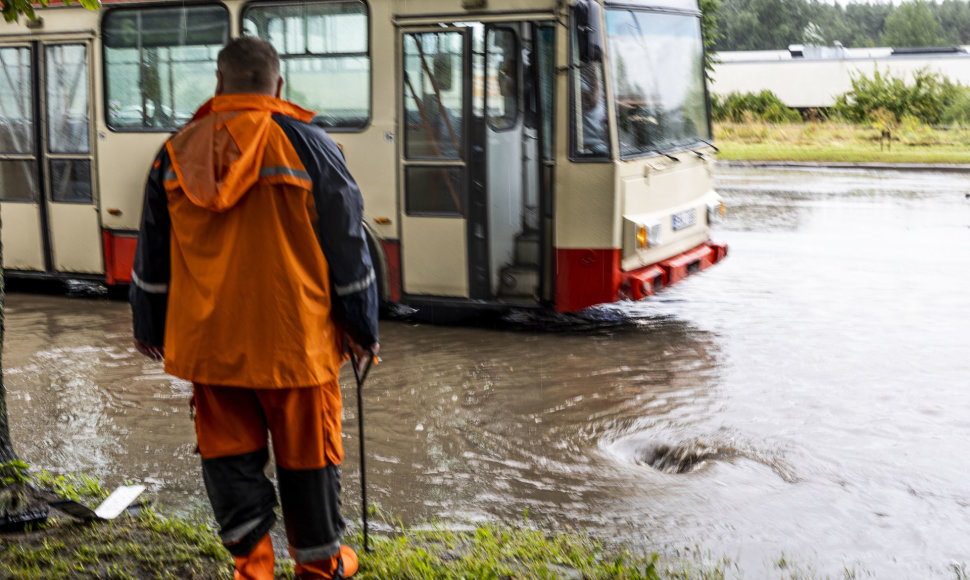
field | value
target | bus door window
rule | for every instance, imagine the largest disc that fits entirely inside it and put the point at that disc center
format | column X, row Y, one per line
column 434, row 121
column 18, row 164
column 160, row 63
column 324, row 57
column 510, row 152
column 67, row 123
column 502, row 78
column 433, row 95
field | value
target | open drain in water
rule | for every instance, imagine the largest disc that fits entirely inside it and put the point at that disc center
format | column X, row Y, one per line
column 690, row 456
column 682, row 458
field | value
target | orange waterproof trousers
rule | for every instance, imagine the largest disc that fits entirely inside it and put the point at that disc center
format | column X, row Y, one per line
column 232, row 424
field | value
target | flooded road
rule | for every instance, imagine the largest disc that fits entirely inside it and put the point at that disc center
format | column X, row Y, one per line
column 805, row 401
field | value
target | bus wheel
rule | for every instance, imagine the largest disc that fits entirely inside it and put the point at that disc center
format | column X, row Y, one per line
column 379, row 262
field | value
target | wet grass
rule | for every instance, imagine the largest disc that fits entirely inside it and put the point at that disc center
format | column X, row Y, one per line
column 837, row 142
column 148, row 545
column 151, row 545
column 500, row 551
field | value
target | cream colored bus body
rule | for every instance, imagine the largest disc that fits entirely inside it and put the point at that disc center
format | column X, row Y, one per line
column 593, row 205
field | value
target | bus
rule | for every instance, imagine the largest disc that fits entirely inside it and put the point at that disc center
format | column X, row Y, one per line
column 511, row 153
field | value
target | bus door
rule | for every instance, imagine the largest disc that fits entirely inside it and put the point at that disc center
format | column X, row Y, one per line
column 438, row 229
column 475, row 140
column 50, row 212
column 518, row 74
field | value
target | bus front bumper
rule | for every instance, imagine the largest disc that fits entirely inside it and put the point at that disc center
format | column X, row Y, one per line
column 643, row 282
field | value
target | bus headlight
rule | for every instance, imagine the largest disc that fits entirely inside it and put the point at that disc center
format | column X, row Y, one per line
column 647, row 235
column 715, row 211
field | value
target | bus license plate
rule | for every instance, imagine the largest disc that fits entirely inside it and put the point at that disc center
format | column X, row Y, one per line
column 684, row 219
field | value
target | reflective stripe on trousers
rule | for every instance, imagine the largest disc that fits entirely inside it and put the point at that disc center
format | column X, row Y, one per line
column 232, row 425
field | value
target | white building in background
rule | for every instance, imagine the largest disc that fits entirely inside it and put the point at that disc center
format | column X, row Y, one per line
column 806, row 76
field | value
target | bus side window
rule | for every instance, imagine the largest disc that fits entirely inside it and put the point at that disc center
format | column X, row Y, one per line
column 324, row 56
column 18, row 180
column 588, row 126
column 591, row 138
column 160, row 63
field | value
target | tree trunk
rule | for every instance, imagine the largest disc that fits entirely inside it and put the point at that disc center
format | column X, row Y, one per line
column 6, row 448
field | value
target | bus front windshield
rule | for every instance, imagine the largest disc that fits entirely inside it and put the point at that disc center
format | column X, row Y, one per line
column 657, row 62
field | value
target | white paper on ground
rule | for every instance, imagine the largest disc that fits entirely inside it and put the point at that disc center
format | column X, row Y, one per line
column 119, row 499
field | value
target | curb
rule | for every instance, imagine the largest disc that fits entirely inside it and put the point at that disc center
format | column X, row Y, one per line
column 942, row 167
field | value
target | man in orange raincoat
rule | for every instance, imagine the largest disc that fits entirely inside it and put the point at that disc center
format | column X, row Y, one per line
column 251, row 276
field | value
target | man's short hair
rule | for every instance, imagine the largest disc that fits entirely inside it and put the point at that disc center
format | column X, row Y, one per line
column 249, row 65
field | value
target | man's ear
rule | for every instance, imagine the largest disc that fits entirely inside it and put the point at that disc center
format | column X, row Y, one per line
column 219, row 83
column 279, row 87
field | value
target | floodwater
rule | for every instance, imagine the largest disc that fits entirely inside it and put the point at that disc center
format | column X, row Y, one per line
column 804, row 401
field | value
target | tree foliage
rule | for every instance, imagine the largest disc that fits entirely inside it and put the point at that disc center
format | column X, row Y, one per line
column 761, row 24
column 954, row 17
column 913, row 24
column 14, row 9
column 710, row 33
column 775, row 24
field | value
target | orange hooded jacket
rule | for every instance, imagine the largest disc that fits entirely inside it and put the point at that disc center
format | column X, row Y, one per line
column 249, row 296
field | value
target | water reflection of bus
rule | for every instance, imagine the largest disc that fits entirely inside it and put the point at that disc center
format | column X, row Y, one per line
column 511, row 152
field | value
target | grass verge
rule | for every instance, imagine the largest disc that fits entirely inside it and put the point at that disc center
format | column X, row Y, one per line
column 147, row 545
column 836, row 142
column 506, row 551
column 151, row 545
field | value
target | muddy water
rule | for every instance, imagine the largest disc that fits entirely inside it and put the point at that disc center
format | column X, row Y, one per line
column 807, row 399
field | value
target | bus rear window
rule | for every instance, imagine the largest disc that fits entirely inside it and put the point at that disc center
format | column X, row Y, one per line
column 160, row 63
column 324, row 56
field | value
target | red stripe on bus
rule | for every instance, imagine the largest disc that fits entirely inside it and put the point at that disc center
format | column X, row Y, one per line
column 586, row 277
column 392, row 253
column 119, row 255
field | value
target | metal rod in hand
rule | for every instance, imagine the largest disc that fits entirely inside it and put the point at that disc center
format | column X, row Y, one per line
column 361, row 376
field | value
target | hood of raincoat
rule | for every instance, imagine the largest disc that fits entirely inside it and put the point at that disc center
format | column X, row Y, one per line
column 218, row 155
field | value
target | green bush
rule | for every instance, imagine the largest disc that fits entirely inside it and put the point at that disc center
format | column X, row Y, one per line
column 957, row 110
column 740, row 107
column 930, row 98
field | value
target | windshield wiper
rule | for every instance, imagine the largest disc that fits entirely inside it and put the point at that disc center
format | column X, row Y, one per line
column 664, row 153
column 709, row 144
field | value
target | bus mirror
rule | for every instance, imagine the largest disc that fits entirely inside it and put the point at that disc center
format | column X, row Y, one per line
column 443, row 71
column 586, row 15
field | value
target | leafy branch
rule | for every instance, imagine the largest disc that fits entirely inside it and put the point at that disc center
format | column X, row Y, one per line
column 13, row 9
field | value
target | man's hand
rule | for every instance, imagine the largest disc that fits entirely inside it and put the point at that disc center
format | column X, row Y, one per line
column 362, row 353
column 152, row 352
